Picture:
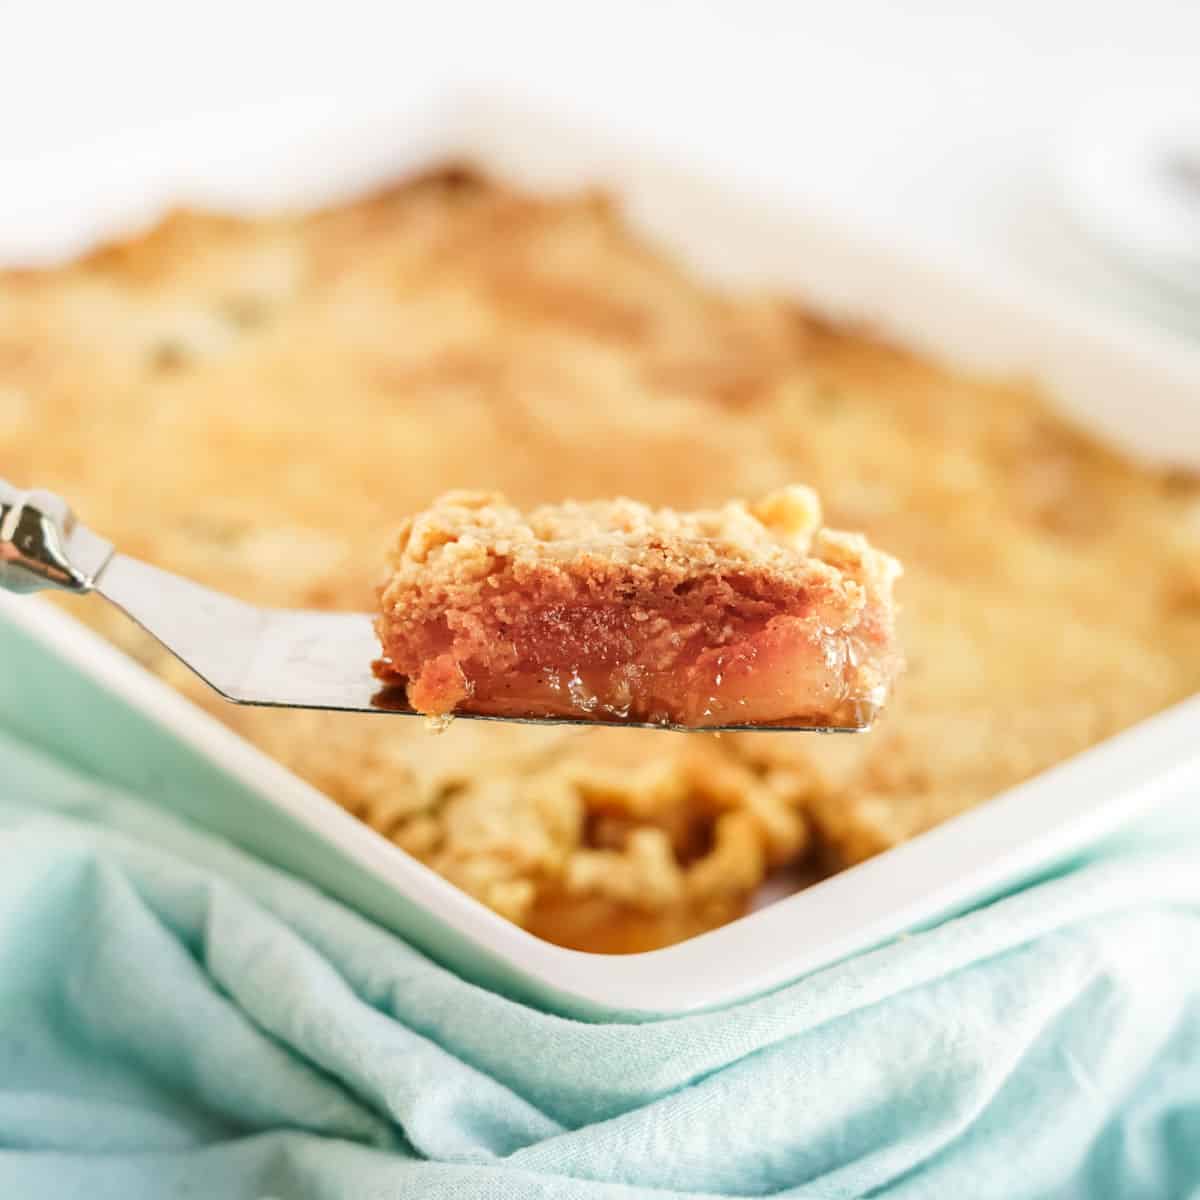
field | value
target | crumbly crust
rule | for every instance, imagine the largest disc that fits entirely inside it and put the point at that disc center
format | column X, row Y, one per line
column 460, row 536
column 478, row 585
column 252, row 402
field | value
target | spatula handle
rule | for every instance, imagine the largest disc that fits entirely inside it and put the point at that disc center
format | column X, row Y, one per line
column 42, row 545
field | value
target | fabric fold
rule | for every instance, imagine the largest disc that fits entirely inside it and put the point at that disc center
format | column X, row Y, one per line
column 175, row 1014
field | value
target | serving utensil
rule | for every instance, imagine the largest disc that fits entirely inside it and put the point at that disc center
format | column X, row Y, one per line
column 271, row 657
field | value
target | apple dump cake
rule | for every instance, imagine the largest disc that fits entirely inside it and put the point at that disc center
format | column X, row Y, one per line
column 252, row 403
column 610, row 610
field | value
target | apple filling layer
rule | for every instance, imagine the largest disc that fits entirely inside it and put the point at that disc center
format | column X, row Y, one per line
column 611, row 611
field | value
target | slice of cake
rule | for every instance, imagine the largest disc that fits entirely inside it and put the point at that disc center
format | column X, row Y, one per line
column 751, row 614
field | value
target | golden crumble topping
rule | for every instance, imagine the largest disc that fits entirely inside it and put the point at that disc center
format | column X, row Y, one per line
column 251, row 403
column 612, row 610
column 472, row 526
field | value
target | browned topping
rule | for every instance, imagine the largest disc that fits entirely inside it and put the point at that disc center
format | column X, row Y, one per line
column 613, row 610
column 417, row 341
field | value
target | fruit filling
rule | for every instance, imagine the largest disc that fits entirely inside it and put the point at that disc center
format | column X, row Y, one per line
column 751, row 614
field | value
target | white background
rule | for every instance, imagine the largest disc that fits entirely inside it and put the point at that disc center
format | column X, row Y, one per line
column 937, row 123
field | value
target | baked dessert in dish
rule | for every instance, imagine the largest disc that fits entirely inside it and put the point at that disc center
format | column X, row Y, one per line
column 613, row 611
column 252, row 402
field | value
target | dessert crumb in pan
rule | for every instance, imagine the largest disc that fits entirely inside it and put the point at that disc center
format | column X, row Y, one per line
column 255, row 403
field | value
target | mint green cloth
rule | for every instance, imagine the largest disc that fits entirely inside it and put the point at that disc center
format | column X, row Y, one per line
column 177, row 1019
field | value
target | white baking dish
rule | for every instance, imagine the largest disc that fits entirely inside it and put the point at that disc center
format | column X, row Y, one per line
column 57, row 675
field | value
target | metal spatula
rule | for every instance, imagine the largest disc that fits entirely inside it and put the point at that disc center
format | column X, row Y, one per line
column 281, row 658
